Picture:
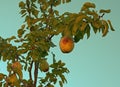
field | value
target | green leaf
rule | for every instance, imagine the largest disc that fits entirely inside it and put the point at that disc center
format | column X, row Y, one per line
column 54, row 60
column 35, row 12
column 95, row 30
column 21, row 31
column 56, row 12
column 87, row 30
column 60, row 83
column 67, row 1
column 33, row 0
column 78, row 36
column 105, row 28
column 63, row 78
column 23, row 12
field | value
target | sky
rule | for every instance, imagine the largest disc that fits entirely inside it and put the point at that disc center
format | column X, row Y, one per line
column 94, row 62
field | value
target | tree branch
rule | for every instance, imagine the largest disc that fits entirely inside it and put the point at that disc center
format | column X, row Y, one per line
column 30, row 71
column 36, row 73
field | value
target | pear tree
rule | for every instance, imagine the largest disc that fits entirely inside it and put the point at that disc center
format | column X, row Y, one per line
column 42, row 21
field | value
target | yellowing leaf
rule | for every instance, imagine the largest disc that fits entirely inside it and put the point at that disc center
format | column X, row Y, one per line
column 22, row 5
column 110, row 24
column 77, row 23
column 36, row 20
column 105, row 29
column 97, row 24
column 105, row 11
column 35, row 12
column 89, row 5
column 28, row 20
column 20, row 32
column 83, row 26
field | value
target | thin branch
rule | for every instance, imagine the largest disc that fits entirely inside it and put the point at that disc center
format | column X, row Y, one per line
column 28, row 7
column 36, row 73
column 101, row 15
column 30, row 70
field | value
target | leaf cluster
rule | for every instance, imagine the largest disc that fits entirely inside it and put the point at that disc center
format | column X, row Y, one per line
column 56, row 74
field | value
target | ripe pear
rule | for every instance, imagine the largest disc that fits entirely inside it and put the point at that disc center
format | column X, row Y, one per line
column 17, row 66
column 66, row 44
column 12, row 80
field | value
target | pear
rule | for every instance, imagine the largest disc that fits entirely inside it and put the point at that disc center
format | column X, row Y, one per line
column 66, row 44
column 44, row 66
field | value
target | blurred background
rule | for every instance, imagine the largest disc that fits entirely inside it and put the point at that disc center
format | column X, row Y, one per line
column 95, row 62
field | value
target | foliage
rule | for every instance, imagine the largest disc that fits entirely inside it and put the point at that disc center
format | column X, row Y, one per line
column 43, row 22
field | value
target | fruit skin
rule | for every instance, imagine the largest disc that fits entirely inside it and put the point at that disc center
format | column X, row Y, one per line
column 17, row 66
column 44, row 66
column 12, row 80
column 66, row 44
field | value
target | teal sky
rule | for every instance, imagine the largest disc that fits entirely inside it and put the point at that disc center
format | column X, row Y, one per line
column 95, row 62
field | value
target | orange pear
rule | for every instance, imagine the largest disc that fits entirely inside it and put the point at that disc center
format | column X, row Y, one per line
column 66, row 44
